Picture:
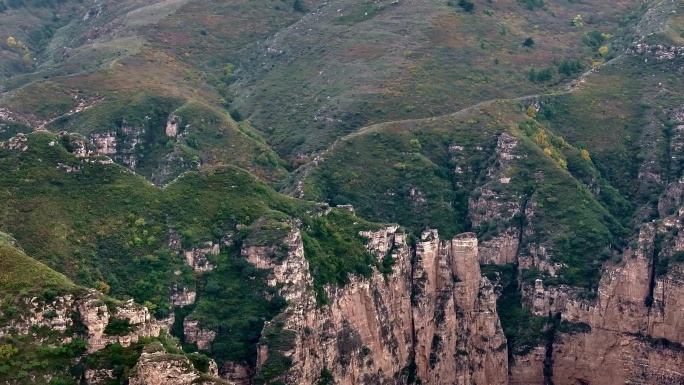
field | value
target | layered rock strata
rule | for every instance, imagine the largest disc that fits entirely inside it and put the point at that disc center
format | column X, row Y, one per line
column 436, row 319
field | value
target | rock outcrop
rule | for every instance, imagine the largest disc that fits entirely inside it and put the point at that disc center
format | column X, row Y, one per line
column 95, row 315
column 182, row 296
column 99, row 376
column 238, row 374
column 194, row 334
column 55, row 315
column 635, row 328
column 496, row 213
column 89, row 309
column 437, row 319
column 161, row 368
column 120, row 145
column 459, row 339
column 196, row 257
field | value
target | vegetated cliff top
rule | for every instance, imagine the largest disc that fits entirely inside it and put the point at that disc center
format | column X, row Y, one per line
column 174, row 91
column 108, row 228
column 19, row 272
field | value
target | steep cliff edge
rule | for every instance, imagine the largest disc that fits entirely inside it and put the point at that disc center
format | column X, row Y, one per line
column 434, row 320
column 630, row 329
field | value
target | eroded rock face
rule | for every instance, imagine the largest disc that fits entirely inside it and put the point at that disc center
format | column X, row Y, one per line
column 595, row 357
column 89, row 309
column 238, row 374
column 120, row 145
column 490, row 209
column 172, row 125
column 99, row 376
column 528, row 369
column 182, row 296
column 194, row 334
column 160, row 368
column 459, row 339
column 96, row 316
column 55, row 315
column 371, row 330
column 196, row 257
column 636, row 325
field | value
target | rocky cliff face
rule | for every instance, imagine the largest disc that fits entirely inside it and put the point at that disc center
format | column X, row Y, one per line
column 194, row 334
column 630, row 328
column 161, row 368
column 496, row 211
column 436, row 320
column 458, row 335
column 120, row 145
column 89, row 309
column 633, row 330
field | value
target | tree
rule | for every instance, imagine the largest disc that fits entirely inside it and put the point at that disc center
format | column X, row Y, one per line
column 466, row 5
column 585, row 155
column 415, row 144
column 7, row 351
column 298, row 6
column 235, row 114
column 529, row 42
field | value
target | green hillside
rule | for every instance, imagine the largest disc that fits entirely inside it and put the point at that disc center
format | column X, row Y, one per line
column 109, row 229
column 19, row 272
column 133, row 132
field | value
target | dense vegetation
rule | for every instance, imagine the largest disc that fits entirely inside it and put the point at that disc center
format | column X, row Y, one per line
column 223, row 103
column 117, row 239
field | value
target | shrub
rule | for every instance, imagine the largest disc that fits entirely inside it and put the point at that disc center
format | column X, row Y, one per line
column 326, row 377
column 466, row 5
column 118, row 327
column 532, row 4
column 298, row 6
column 235, row 114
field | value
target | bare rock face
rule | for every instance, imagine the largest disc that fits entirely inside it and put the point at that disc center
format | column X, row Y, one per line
column 194, row 334
column 182, row 296
column 91, row 311
column 363, row 335
column 623, row 358
column 120, row 145
column 459, row 339
column 172, row 126
column 104, row 143
column 96, row 316
column 371, row 330
column 237, row 373
column 635, row 325
column 160, row 368
column 18, row 143
column 99, row 376
column 528, row 369
column 543, row 301
column 55, row 315
column 196, row 257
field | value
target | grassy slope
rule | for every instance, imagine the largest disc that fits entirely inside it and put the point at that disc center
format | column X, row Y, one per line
column 405, row 60
column 126, row 80
column 405, row 173
column 23, row 277
column 20, row 272
column 303, row 90
column 107, row 228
